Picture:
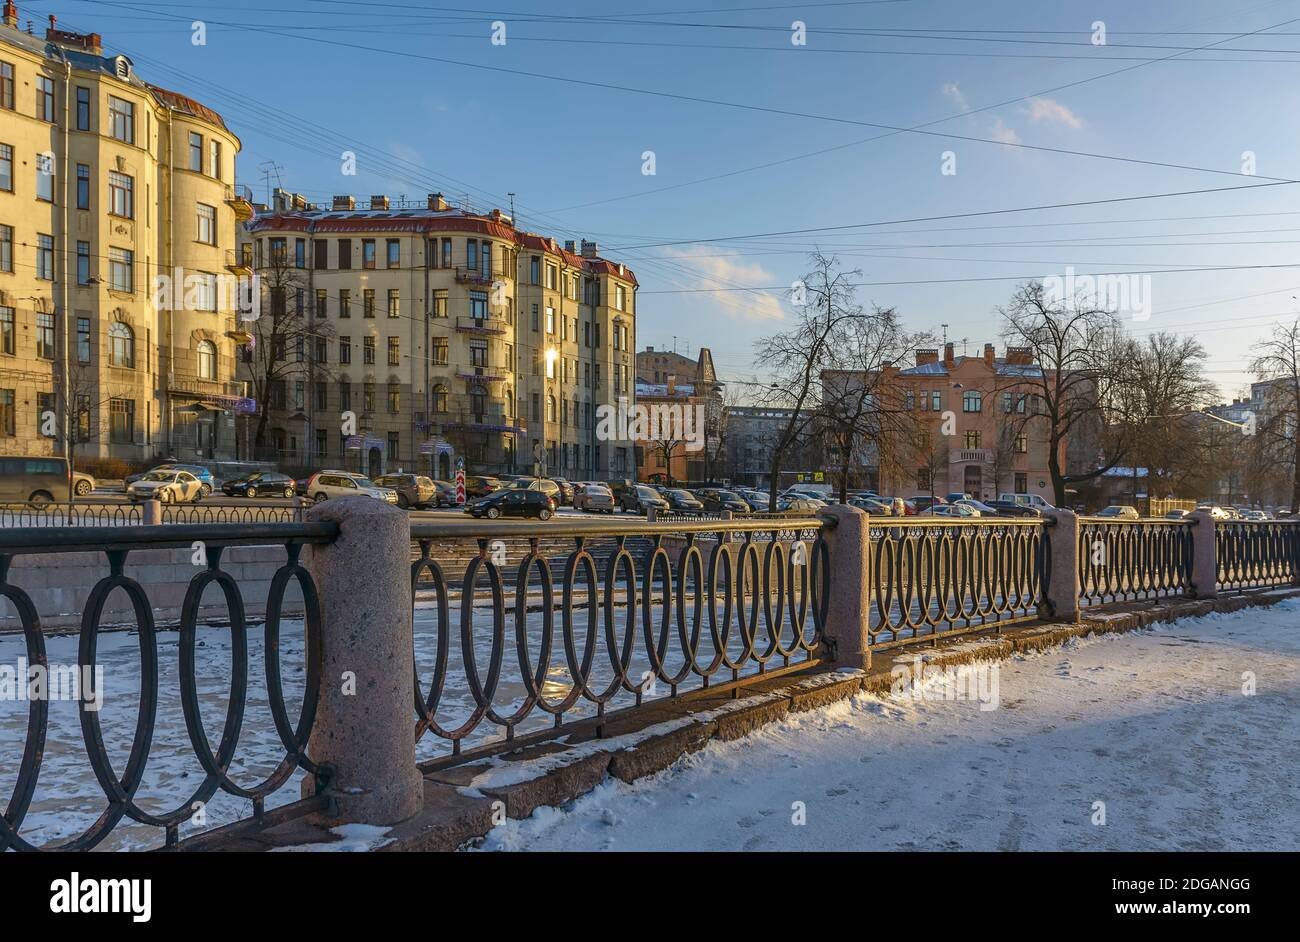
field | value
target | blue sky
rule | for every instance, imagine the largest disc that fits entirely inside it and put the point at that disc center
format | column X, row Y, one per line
column 301, row 81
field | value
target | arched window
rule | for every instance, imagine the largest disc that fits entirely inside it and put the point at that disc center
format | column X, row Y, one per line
column 440, row 398
column 121, row 345
column 509, row 401
column 550, row 408
column 478, row 402
column 207, row 359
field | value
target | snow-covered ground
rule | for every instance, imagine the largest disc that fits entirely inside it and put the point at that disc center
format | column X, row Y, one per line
column 1142, row 741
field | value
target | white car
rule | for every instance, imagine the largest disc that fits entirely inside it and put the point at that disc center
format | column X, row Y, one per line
column 170, row 487
column 953, row 510
column 326, row 484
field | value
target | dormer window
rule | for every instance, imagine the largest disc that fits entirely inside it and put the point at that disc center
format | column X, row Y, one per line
column 122, row 67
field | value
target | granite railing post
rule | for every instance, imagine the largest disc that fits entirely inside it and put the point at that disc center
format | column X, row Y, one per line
column 1205, row 560
column 847, row 632
column 365, row 721
column 1062, row 590
column 151, row 515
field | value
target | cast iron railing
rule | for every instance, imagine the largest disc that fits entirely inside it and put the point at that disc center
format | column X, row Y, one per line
column 729, row 602
column 118, row 515
column 1126, row 560
column 1256, row 554
column 932, row 576
column 121, row 785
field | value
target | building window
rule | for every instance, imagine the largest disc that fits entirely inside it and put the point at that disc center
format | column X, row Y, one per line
column 972, row 439
column 438, row 351
column 345, row 302
column 550, row 320
column 45, row 177
column 972, row 400
column 121, row 117
column 8, row 424
column 550, row 408
column 394, row 351
column 45, row 98
column 368, row 302
column 322, row 301
column 394, row 397
column 345, row 395
column 6, row 248
column 7, row 331
column 207, row 359
column 367, row 253
column 345, row 350
column 321, row 250
column 83, row 339
column 922, row 479
column 478, row 353
column 214, row 159
column 440, row 398
column 6, row 168
column 7, row 85
column 394, row 253
column 121, row 269
column 1022, row 444
column 552, row 276
column 620, row 297
column 345, row 253
column 196, row 152
column 120, row 194
column 207, row 217
column 83, row 263
column 121, row 345
column 299, row 253
column 936, row 401
column 45, row 257
column 83, row 186
column 446, row 253
column 368, row 397
column 121, row 421
column 368, row 351
column 1022, row 482
column 478, row 306
column 394, row 302
column 440, row 303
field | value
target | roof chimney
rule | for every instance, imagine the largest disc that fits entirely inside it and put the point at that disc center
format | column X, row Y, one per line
column 437, row 203
column 379, row 202
column 926, row 355
column 988, row 354
column 344, row 202
column 1020, row 356
column 570, row 247
column 948, row 359
column 589, row 249
column 11, row 14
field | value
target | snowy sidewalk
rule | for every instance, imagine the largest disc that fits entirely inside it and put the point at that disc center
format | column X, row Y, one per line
column 1154, row 724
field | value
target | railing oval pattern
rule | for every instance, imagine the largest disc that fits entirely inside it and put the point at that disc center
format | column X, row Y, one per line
column 935, row 578
column 666, row 614
column 121, row 791
column 1256, row 554
column 1126, row 560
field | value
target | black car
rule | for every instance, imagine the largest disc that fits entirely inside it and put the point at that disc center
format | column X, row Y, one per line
column 680, row 501
column 639, row 498
column 480, row 485
column 259, row 484
column 715, row 499
column 513, row 502
column 1009, row 508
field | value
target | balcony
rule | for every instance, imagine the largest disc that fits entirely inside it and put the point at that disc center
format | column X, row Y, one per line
column 472, row 276
column 238, row 264
column 240, row 199
column 492, row 419
column 482, row 327
column 486, row 374
column 969, row 455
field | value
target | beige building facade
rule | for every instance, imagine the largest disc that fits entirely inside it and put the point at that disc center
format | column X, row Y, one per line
column 107, row 183
column 445, row 334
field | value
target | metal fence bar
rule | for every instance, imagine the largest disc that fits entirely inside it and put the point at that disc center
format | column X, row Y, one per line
column 1127, row 560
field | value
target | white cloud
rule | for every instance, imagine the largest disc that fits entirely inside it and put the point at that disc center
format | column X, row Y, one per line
column 1003, row 133
column 953, row 93
column 714, row 270
column 1053, row 112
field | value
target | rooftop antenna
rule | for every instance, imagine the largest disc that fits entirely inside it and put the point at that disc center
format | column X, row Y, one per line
column 268, row 167
column 512, row 210
column 964, row 341
column 945, row 333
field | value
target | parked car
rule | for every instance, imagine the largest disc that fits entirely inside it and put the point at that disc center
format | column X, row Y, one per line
column 513, row 502
column 640, row 498
column 206, row 480
column 1009, row 508
column 872, row 505
column 756, row 499
column 953, row 510
column 480, row 485
column 923, row 502
column 984, row 509
column 545, row 485
column 446, row 494
column 413, row 490
column 326, row 484
column 593, row 497
column 566, row 491
column 807, row 506
column 169, row 487
column 958, row 496
column 1256, row 515
column 259, row 484
column 1177, row 515
column 716, row 499
column 1030, row 500
column 1121, row 511
column 684, row 502
column 36, row 481
column 618, row 485
column 1215, row 511
column 83, row 483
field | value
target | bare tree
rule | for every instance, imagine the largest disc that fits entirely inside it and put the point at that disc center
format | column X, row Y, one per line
column 798, row 357
column 1277, row 360
column 1077, row 375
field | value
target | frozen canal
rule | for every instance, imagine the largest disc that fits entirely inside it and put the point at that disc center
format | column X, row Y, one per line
column 1148, row 732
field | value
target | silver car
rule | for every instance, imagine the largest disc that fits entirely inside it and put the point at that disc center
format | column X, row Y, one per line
column 593, row 497
column 327, row 484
